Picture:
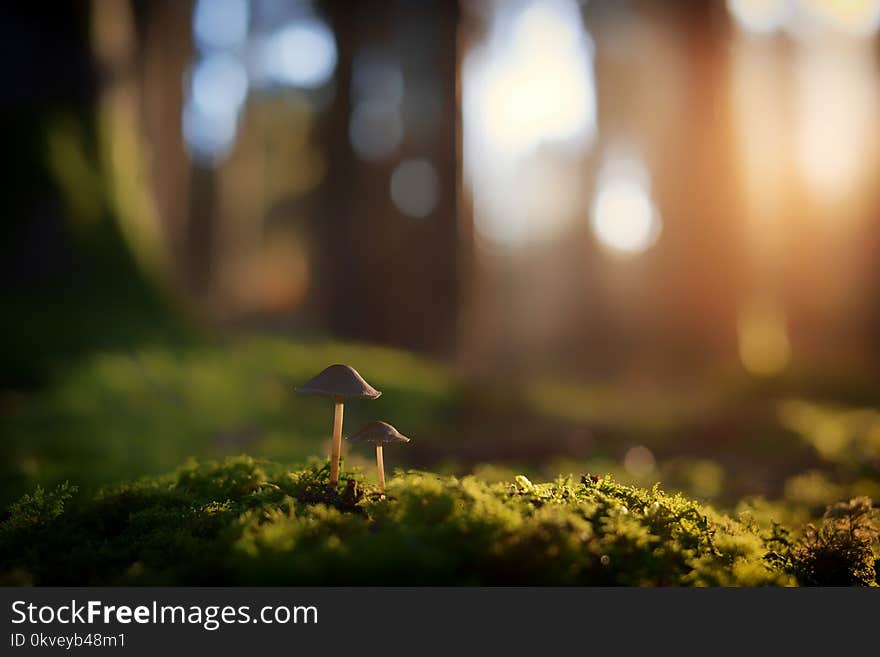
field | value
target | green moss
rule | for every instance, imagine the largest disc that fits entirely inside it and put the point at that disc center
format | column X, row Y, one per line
column 124, row 414
column 241, row 521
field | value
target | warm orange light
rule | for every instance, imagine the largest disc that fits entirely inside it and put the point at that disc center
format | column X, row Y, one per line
column 807, row 18
column 853, row 17
column 837, row 101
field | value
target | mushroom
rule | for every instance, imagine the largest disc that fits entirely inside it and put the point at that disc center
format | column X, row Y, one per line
column 339, row 382
column 379, row 433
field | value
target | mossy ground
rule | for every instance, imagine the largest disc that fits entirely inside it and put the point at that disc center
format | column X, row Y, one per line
column 764, row 457
column 240, row 521
column 116, row 415
column 119, row 415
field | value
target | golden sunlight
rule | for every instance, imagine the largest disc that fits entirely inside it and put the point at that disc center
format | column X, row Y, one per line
column 530, row 85
column 837, row 97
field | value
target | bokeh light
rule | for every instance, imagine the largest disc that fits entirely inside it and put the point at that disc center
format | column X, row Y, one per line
column 375, row 129
column 415, row 187
column 218, row 80
column 376, row 124
column 530, row 87
column 218, row 90
column 208, row 137
column 628, row 238
column 220, row 24
column 764, row 347
column 537, row 86
column 624, row 218
column 219, row 84
column 300, row 54
column 377, row 74
column 639, row 461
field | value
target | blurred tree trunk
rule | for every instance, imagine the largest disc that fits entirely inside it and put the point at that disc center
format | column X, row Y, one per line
column 118, row 47
column 77, row 117
column 48, row 99
column 382, row 276
column 163, row 28
column 197, row 238
column 84, row 239
column 446, row 231
column 704, row 216
column 334, row 267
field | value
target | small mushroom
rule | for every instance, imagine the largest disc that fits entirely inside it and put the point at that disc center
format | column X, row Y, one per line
column 380, row 434
column 339, row 382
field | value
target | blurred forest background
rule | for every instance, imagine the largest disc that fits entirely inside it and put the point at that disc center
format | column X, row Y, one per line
column 608, row 236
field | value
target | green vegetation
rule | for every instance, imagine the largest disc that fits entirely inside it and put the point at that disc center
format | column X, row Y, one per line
column 243, row 521
column 776, row 468
column 119, row 414
column 122, row 414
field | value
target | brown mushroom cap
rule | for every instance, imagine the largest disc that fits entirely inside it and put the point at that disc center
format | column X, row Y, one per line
column 339, row 381
column 378, row 433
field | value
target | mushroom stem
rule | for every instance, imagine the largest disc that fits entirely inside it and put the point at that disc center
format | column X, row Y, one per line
column 337, row 443
column 380, row 463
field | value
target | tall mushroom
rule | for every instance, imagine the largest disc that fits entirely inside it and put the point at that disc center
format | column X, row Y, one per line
column 380, row 434
column 339, row 382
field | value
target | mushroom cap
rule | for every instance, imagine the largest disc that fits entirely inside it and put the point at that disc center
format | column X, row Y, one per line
column 378, row 433
column 339, row 381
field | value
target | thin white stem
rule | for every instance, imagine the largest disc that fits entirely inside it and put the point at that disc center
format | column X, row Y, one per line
column 380, row 462
column 337, row 443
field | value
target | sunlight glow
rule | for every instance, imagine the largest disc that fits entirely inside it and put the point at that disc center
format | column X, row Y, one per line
column 807, row 111
column 624, row 218
column 533, row 82
column 853, row 17
column 760, row 97
column 536, row 92
column 761, row 16
column 807, row 18
column 530, row 87
column 837, row 93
